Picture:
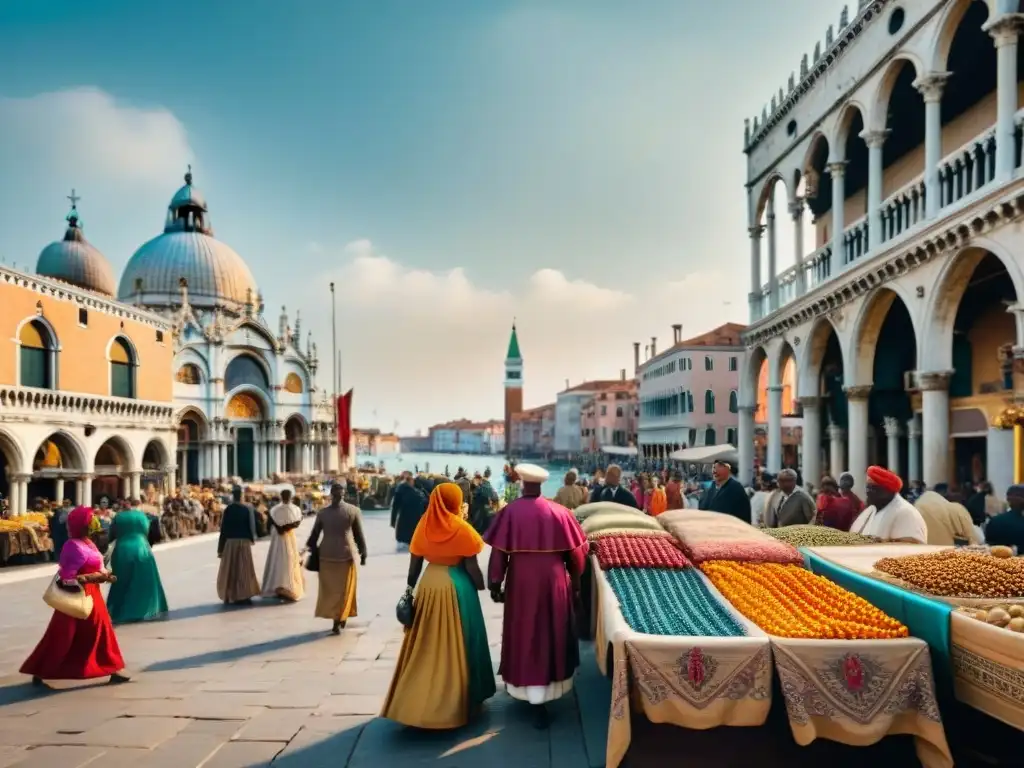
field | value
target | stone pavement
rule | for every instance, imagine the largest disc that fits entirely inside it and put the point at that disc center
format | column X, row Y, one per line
column 238, row 687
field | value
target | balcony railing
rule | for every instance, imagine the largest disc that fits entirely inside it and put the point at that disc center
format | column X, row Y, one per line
column 969, row 170
column 54, row 402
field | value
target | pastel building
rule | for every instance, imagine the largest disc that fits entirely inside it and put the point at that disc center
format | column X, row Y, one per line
column 689, row 394
column 466, row 436
column 533, row 432
column 569, row 407
column 609, row 418
column 893, row 156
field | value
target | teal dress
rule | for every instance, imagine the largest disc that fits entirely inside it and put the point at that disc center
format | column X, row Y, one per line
column 138, row 594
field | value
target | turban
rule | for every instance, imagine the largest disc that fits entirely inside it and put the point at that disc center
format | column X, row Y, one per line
column 883, row 478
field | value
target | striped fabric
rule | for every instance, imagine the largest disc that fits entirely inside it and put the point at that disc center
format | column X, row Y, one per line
column 656, row 601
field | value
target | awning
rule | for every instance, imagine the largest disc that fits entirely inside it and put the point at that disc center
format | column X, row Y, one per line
column 706, row 454
column 619, row 450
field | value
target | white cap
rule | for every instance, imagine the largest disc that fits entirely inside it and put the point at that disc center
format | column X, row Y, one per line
column 531, row 473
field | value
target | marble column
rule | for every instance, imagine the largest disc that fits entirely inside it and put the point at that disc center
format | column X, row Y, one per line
column 837, row 451
column 224, row 459
column 893, row 432
column 280, row 457
column 258, row 455
column 201, row 464
column 1005, row 30
column 837, row 170
column 774, row 429
column 215, row 472
column 931, row 90
column 935, row 432
column 14, row 495
column 59, row 490
column 79, row 492
column 811, row 443
column 857, row 424
column 773, row 277
column 745, row 440
column 135, row 485
column 796, row 210
column 914, row 448
column 126, row 486
column 172, row 480
column 23, row 481
column 86, row 498
column 183, row 463
column 875, row 141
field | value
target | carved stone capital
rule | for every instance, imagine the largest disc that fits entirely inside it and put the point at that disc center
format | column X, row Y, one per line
column 932, row 85
column 756, row 232
column 837, row 169
column 913, row 429
column 796, row 208
column 934, row 381
column 809, row 402
column 1005, row 29
column 858, row 392
column 836, row 433
column 892, row 426
column 874, row 139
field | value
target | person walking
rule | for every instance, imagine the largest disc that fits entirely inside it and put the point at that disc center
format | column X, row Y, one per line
column 571, row 494
column 340, row 526
column 138, row 593
column 282, row 575
column 444, row 673
column 537, row 558
column 407, row 507
column 236, row 578
column 73, row 648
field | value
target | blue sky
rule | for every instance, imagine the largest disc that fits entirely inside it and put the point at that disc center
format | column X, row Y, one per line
column 576, row 164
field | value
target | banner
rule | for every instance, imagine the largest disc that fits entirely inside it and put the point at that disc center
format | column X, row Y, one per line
column 344, row 426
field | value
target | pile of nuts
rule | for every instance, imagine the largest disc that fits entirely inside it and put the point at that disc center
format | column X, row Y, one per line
column 1009, row 617
column 818, row 536
column 955, row 573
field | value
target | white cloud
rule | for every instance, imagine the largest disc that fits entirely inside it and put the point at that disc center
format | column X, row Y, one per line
column 423, row 346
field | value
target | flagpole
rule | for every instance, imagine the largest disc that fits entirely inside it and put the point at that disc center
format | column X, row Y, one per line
column 334, row 361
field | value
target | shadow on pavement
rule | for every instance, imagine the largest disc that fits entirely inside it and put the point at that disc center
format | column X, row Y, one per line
column 208, row 609
column 235, row 654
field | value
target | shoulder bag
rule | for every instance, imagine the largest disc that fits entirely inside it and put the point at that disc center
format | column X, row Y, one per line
column 313, row 559
column 405, row 611
column 77, row 605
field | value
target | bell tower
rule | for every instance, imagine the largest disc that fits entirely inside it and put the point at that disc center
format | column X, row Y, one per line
column 513, row 386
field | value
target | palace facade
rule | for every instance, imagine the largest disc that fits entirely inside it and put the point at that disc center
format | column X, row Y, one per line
column 894, row 158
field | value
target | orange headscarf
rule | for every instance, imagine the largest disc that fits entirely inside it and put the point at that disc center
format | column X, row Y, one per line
column 659, row 501
column 442, row 536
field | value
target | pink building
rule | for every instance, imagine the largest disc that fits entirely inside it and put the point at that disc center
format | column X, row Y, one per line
column 689, row 394
column 533, row 432
column 609, row 417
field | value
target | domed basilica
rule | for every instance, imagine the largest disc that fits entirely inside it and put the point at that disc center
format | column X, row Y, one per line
column 244, row 397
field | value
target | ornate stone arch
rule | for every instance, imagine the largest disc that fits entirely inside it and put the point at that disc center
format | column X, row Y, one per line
column 837, row 144
column 768, row 188
column 750, row 379
column 859, row 360
column 949, row 24
column 122, row 446
column 876, row 119
column 70, row 447
column 936, row 351
column 812, row 355
column 12, row 451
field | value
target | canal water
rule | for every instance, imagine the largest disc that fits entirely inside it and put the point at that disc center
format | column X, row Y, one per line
column 436, row 463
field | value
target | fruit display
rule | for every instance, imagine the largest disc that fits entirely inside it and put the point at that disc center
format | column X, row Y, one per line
column 655, row 601
column 1009, row 617
column 958, row 574
column 769, row 551
column 31, row 519
column 790, row 601
column 626, row 551
column 818, row 536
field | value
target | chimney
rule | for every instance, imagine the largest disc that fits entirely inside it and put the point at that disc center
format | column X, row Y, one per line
column 636, row 356
column 654, row 346
column 566, row 383
column 622, row 374
column 677, row 333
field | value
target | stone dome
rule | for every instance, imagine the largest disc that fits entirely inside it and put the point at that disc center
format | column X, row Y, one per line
column 74, row 260
column 187, row 254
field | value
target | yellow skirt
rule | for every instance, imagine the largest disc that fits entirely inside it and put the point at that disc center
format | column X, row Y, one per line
column 336, row 597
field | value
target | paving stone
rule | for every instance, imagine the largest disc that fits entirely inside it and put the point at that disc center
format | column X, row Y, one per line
column 204, row 707
column 274, row 725
column 320, row 749
column 11, row 755
column 352, row 704
column 131, row 732
column 222, row 729
column 370, row 682
column 60, row 757
column 148, row 690
column 244, row 754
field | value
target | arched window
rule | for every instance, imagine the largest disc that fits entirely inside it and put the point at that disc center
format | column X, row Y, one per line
column 709, row 402
column 709, row 364
column 245, row 370
column 734, row 402
column 293, row 383
column 189, row 374
column 38, row 356
column 730, row 436
column 709, row 436
column 122, row 369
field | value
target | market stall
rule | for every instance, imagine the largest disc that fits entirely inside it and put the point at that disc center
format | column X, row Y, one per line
column 982, row 662
column 25, row 538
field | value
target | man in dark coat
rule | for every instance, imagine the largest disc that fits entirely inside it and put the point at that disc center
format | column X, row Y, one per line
column 726, row 494
column 612, row 491
column 484, row 499
column 407, row 507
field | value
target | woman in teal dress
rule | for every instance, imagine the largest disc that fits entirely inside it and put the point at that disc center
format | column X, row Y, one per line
column 138, row 594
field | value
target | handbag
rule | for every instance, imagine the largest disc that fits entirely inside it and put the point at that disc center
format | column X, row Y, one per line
column 313, row 559
column 405, row 611
column 77, row 605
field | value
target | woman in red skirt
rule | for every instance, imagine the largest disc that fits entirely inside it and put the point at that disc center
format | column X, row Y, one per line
column 79, row 649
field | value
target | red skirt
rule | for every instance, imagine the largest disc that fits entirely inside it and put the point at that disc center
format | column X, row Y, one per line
column 77, row 649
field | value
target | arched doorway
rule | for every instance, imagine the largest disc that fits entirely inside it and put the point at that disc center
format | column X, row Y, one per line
column 191, row 432
column 294, row 432
column 245, row 411
column 154, row 469
column 824, row 410
column 10, row 465
column 58, row 459
column 111, row 474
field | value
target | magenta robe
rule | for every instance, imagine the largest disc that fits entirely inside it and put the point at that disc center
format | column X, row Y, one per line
column 534, row 541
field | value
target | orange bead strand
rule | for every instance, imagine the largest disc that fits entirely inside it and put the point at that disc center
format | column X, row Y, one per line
column 790, row 601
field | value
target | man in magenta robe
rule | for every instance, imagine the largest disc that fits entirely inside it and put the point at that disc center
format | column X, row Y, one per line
column 537, row 558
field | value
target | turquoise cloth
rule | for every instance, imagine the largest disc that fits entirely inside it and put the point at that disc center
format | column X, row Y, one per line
column 138, row 594
column 925, row 618
column 474, row 636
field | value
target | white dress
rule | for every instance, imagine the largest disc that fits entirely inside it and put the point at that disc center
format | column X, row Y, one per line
column 899, row 519
column 283, row 576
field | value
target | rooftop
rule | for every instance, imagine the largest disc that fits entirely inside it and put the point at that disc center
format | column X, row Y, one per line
column 600, row 385
column 727, row 335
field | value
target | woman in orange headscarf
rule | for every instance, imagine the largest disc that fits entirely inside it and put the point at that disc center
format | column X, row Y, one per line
column 444, row 672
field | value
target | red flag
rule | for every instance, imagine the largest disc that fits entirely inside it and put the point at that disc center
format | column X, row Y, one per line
column 344, row 424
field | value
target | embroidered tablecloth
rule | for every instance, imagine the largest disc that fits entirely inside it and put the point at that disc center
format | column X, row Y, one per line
column 857, row 692
column 693, row 682
column 988, row 668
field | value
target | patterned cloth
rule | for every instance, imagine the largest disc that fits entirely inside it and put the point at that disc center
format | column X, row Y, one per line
column 744, row 552
column 626, row 551
column 657, row 601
